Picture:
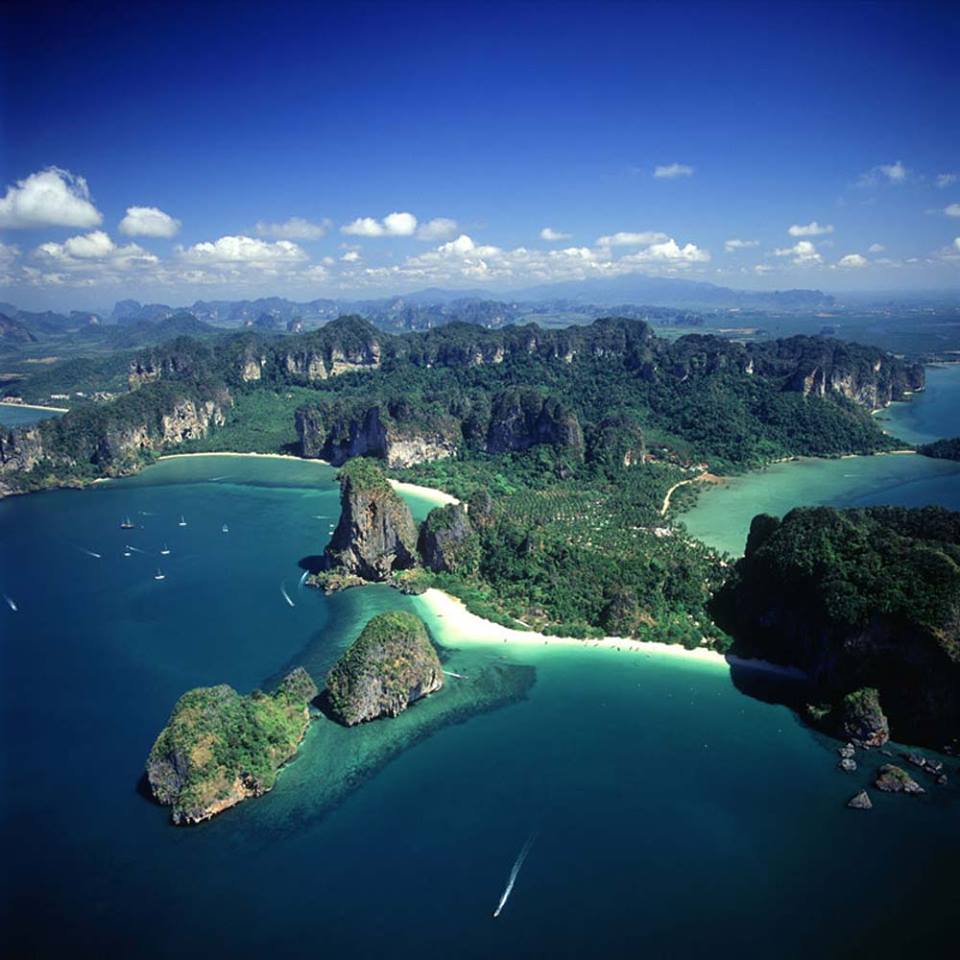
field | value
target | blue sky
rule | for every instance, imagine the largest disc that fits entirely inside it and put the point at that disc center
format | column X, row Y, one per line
column 171, row 153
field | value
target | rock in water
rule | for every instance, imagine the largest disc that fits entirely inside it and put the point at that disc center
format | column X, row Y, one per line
column 219, row 747
column 861, row 801
column 391, row 664
column 847, row 765
column 376, row 533
column 893, row 779
column 447, row 541
column 862, row 720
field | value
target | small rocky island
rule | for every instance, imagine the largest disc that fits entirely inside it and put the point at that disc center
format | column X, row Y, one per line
column 389, row 666
column 219, row 747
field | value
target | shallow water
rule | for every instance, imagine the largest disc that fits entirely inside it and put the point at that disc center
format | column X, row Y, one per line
column 673, row 813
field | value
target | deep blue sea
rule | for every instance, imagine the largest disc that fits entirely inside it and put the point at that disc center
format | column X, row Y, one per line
column 673, row 815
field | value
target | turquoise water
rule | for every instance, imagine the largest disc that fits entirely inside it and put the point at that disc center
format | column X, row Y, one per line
column 931, row 414
column 674, row 815
column 722, row 514
column 13, row 416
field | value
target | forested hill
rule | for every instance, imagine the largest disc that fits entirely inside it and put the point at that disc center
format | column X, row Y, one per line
column 463, row 389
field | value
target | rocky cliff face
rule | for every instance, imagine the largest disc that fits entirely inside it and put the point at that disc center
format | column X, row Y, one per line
column 521, row 418
column 389, row 666
column 338, row 437
column 376, row 534
column 448, row 542
column 219, row 747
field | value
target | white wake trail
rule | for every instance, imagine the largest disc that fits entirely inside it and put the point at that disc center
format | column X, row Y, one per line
column 286, row 596
column 303, row 579
column 90, row 553
column 10, row 603
column 514, row 873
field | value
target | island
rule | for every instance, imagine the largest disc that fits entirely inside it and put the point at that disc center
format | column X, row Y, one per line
column 219, row 747
column 865, row 601
column 389, row 666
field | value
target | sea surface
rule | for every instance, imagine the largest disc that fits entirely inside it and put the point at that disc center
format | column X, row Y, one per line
column 671, row 815
column 12, row 415
column 932, row 413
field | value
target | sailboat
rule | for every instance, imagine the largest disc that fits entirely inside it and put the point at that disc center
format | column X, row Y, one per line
column 127, row 552
column 159, row 575
column 224, row 529
column 165, row 551
column 126, row 524
column 182, row 522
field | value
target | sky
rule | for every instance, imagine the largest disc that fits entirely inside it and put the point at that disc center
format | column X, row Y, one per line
column 172, row 152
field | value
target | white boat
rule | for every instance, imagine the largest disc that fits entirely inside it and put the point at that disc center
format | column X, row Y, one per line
column 126, row 524
column 182, row 522
column 165, row 551
column 225, row 529
column 159, row 575
column 127, row 552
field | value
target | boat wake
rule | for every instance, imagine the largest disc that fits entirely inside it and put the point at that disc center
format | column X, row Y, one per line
column 286, row 596
column 10, row 603
column 303, row 579
column 215, row 479
column 90, row 553
column 518, row 863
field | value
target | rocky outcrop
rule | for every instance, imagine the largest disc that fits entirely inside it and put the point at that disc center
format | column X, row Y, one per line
column 389, row 666
column 20, row 450
column 860, row 801
column 522, row 418
column 865, row 603
column 862, row 720
column 894, row 779
column 219, row 748
column 376, row 534
column 339, row 436
column 448, row 543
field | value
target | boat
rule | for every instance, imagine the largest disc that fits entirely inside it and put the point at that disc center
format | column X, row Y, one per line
column 159, row 575
column 127, row 552
column 182, row 522
column 225, row 529
column 126, row 524
column 165, row 551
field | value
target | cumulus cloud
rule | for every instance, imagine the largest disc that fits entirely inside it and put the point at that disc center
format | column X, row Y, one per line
column 730, row 245
column 243, row 250
column 671, row 171
column 351, row 256
column 956, row 242
column 811, row 229
column 392, row 225
column 49, row 198
column 852, row 260
column 669, row 251
column 953, row 210
column 148, row 222
column 437, row 229
column 625, row 239
column 551, row 235
column 96, row 245
column 946, row 179
column 884, row 173
column 876, row 248
column 296, row 228
column 803, row 252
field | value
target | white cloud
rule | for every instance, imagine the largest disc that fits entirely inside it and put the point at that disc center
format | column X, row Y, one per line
column 853, row 260
column 296, row 228
column 671, row 171
column 316, row 274
column 392, row 225
column 669, row 252
column 551, row 235
column 946, row 179
column 624, row 239
column 956, row 242
column 953, row 210
column 730, row 245
column 762, row 268
column 804, row 253
column 148, row 222
column 811, row 229
column 351, row 256
column 49, row 198
column 243, row 250
column 884, row 173
column 437, row 229
column 876, row 248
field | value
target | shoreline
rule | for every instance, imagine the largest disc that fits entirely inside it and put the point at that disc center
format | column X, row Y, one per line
column 33, row 406
column 428, row 493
